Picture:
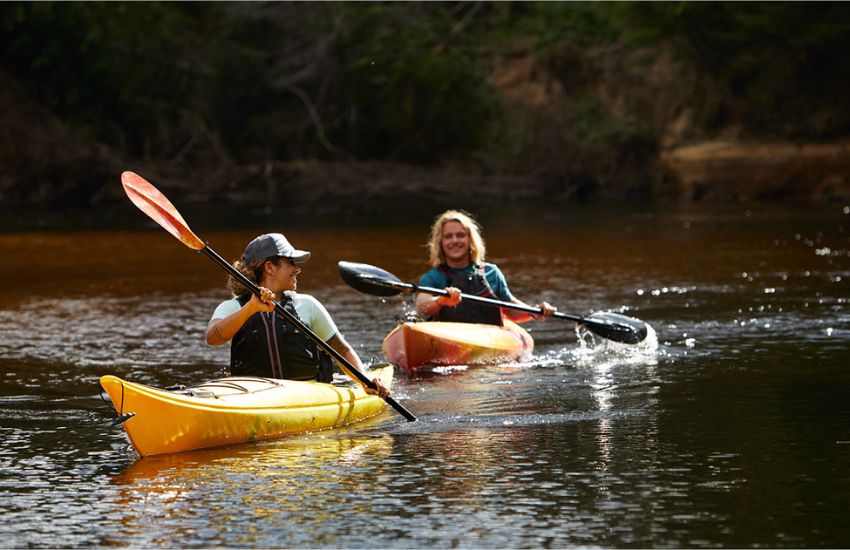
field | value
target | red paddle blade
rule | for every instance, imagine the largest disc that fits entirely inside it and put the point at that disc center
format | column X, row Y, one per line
column 149, row 200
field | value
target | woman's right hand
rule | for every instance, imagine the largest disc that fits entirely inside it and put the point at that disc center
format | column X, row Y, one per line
column 428, row 305
column 263, row 302
column 453, row 299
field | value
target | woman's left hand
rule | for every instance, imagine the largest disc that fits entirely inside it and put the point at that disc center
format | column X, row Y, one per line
column 547, row 310
column 380, row 390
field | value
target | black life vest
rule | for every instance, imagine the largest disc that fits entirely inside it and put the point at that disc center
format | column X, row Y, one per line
column 468, row 311
column 269, row 346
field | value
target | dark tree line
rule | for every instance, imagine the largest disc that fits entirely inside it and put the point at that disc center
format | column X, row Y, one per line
column 221, row 84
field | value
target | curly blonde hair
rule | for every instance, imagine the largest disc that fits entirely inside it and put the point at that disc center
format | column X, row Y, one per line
column 477, row 250
column 253, row 271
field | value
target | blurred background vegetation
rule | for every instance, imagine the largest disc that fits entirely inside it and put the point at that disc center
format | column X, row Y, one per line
column 581, row 97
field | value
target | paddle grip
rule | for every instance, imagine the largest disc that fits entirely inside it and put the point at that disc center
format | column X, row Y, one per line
column 350, row 369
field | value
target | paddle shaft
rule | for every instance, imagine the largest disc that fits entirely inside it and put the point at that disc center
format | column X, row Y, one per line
column 490, row 301
column 601, row 328
column 344, row 363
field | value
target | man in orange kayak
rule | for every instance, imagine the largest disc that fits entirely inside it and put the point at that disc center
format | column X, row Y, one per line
column 456, row 254
column 263, row 343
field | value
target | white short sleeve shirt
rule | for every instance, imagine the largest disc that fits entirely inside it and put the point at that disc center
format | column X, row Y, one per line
column 310, row 310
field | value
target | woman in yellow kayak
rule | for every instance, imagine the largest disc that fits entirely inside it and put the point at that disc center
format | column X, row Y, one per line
column 456, row 254
column 265, row 344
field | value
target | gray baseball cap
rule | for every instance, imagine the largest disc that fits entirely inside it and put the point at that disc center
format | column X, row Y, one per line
column 273, row 244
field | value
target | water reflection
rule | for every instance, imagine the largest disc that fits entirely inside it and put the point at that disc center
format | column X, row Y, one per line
column 730, row 431
column 266, row 485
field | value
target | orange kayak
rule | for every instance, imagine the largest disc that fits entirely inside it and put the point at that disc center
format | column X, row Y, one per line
column 431, row 343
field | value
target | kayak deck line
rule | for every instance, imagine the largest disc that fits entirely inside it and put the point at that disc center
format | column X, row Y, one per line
column 203, row 390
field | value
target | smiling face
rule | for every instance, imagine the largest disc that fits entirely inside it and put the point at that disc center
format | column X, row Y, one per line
column 280, row 275
column 455, row 243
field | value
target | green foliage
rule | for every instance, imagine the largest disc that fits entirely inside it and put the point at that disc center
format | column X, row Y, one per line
column 415, row 93
column 783, row 64
column 116, row 71
column 591, row 122
column 201, row 83
column 548, row 23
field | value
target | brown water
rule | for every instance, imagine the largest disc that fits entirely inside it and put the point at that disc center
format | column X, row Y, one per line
column 734, row 432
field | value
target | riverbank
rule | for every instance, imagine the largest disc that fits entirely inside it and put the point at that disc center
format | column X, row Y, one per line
column 44, row 164
column 709, row 172
column 729, row 171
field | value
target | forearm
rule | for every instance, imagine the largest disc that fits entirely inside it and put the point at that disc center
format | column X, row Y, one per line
column 220, row 331
column 427, row 305
column 515, row 315
column 338, row 343
column 545, row 308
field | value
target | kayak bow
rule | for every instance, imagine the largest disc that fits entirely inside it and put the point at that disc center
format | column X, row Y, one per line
column 432, row 343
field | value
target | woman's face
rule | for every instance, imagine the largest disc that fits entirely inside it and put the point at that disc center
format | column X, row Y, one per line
column 455, row 243
column 281, row 275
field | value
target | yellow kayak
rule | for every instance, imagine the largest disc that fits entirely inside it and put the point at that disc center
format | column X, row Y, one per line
column 237, row 410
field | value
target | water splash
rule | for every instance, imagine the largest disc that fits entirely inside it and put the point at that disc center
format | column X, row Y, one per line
column 593, row 350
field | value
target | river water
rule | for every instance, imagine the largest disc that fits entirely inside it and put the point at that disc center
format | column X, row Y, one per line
column 732, row 431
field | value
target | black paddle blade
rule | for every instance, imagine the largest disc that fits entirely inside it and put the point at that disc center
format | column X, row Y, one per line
column 616, row 327
column 371, row 280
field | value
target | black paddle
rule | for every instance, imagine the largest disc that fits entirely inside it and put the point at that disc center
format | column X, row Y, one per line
column 153, row 203
column 374, row 280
